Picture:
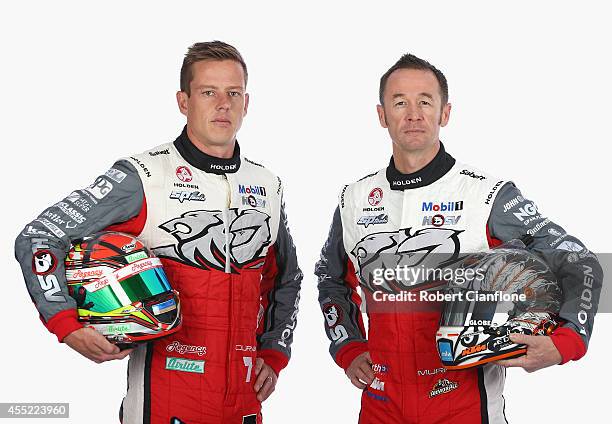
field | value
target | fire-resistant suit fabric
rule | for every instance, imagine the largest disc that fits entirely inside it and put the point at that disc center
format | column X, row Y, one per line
column 447, row 209
column 220, row 230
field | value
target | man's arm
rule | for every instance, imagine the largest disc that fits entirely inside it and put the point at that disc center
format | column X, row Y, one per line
column 339, row 299
column 115, row 196
column 576, row 268
column 280, row 292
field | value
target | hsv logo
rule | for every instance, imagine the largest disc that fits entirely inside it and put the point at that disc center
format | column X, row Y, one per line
column 43, row 262
column 184, row 174
column 375, row 196
column 332, row 315
column 440, row 220
column 437, row 220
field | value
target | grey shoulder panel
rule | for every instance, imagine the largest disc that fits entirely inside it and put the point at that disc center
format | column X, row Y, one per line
column 576, row 268
column 114, row 197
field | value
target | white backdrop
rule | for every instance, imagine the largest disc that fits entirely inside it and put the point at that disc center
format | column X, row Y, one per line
column 82, row 85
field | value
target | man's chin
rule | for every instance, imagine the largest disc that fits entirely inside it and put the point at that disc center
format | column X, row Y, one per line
column 413, row 143
column 222, row 138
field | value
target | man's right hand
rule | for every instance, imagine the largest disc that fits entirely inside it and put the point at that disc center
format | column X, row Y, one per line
column 360, row 371
column 93, row 345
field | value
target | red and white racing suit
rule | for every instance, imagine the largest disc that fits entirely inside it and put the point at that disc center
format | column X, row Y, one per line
column 219, row 227
column 388, row 219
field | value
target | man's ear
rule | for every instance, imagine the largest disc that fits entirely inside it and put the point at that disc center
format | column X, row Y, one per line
column 246, row 104
column 380, row 109
column 445, row 115
column 182, row 99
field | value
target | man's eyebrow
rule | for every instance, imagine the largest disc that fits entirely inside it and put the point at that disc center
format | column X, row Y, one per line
column 233, row 87
column 424, row 94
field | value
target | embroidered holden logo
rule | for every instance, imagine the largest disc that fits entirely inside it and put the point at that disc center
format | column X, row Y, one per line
column 375, row 196
column 184, row 174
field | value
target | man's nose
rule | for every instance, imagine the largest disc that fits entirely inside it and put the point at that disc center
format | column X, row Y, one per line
column 413, row 113
column 223, row 102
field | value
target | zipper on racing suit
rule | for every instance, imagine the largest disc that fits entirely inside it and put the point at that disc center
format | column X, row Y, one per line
column 228, row 270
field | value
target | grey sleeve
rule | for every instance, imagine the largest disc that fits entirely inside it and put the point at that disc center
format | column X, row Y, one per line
column 42, row 245
column 339, row 299
column 576, row 268
column 280, row 287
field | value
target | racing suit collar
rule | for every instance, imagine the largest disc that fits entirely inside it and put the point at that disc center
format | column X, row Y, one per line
column 195, row 157
column 433, row 171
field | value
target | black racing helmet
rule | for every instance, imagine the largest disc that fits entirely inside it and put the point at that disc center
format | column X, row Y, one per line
column 503, row 290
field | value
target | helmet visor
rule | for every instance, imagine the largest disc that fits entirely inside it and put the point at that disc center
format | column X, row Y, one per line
column 119, row 290
column 456, row 312
column 147, row 284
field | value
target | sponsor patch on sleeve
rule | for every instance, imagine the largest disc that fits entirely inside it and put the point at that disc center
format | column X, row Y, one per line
column 100, row 188
column 43, row 262
column 115, row 175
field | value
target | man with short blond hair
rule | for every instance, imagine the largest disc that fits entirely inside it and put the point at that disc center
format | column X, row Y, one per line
column 217, row 222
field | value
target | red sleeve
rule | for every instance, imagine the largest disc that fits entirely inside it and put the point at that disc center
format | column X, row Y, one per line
column 275, row 359
column 569, row 344
column 63, row 323
column 349, row 352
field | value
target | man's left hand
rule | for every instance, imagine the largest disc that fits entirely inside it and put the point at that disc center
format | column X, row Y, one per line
column 541, row 353
column 266, row 380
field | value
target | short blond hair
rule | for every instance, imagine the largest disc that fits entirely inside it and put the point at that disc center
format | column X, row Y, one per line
column 209, row 50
